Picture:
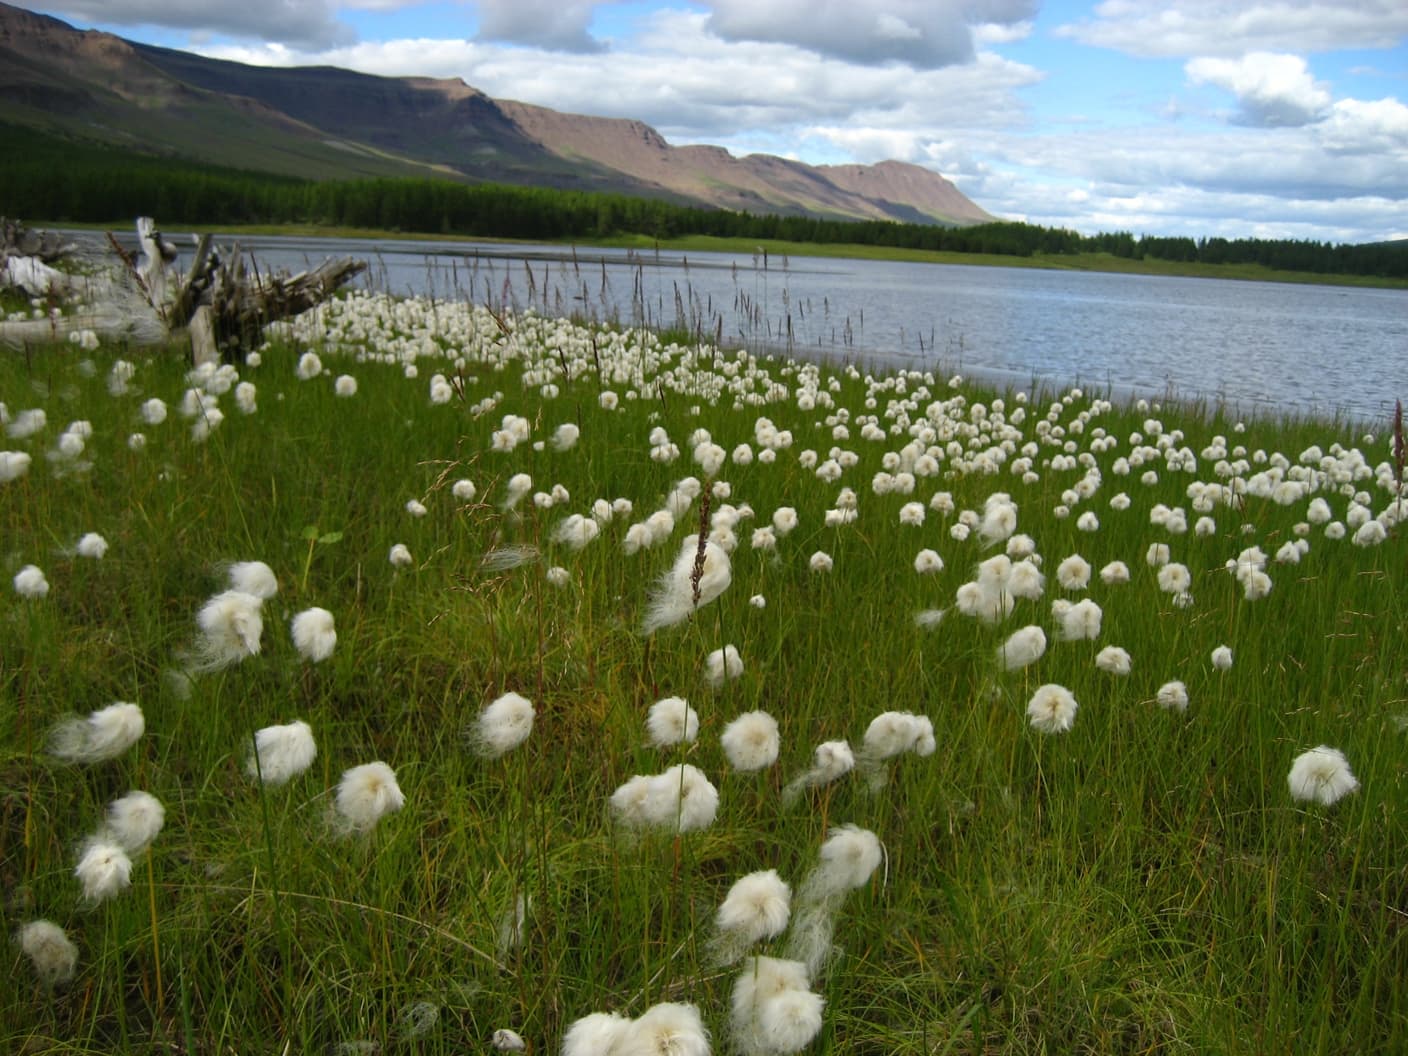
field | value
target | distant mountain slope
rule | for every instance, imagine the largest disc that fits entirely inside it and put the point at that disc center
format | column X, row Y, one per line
column 325, row 122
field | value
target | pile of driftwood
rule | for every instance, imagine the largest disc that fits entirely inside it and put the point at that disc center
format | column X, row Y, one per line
column 220, row 301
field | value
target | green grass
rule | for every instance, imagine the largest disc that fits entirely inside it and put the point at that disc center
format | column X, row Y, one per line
column 1143, row 883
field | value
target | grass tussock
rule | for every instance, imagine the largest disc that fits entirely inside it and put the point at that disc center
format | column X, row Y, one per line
column 491, row 832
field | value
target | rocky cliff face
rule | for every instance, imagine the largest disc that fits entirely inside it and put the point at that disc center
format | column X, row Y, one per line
column 326, row 122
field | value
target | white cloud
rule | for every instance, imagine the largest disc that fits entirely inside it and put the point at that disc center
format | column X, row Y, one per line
column 302, row 23
column 556, row 25
column 924, row 34
column 1183, row 28
column 1273, row 90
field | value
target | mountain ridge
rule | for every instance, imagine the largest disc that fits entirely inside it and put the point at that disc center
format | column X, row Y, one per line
column 326, row 122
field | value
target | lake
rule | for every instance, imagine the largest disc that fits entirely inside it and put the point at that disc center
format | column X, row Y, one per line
column 1257, row 347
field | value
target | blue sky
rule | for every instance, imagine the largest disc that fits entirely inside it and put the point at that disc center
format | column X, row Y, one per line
column 1264, row 118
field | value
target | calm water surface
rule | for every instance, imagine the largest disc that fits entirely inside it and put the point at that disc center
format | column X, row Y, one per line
column 1257, row 346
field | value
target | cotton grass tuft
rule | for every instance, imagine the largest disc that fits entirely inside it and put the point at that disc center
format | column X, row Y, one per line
column 102, row 735
column 281, row 753
column 52, row 954
column 1321, row 775
column 751, row 742
column 365, row 794
column 502, row 726
column 314, row 635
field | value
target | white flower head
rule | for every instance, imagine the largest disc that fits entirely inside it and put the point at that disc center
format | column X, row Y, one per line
column 672, row 721
column 104, row 869
column 1173, row 695
column 365, row 794
column 1222, row 658
column 757, row 907
column 91, row 545
column 1322, row 775
column 231, row 625
column 1113, row 659
column 673, row 599
column 502, row 726
column 30, row 582
column 134, row 821
column 104, row 734
column 666, row 1029
column 50, row 951
column 253, row 577
column 723, row 665
column 400, row 556
column 597, row 1034
column 849, row 857
column 1073, row 573
column 751, row 741
column 1024, row 647
column 314, row 634
column 1052, row 709
column 505, row 1040
column 281, row 753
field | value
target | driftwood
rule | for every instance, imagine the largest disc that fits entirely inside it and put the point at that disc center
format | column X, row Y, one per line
column 221, row 302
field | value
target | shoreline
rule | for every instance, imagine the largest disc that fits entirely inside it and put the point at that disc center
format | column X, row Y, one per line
column 1085, row 262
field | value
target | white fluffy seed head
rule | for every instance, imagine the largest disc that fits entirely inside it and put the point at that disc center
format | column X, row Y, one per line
column 502, row 726
column 666, row 1029
column 1321, row 775
column 104, row 869
column 598, row 1034
column 1024, row 647
column 1052, row 709
column 756, row 907
column 104, row 734
column 231, row 625
column 365, row 794
column 134, row 821
column 50, row 951
column 314, row 634
column 254, row 577
column 673, row 601
column 672, row 721
column 751, row 741
column 281, row 753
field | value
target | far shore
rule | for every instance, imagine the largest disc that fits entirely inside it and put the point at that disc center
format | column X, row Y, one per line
column 776, row 249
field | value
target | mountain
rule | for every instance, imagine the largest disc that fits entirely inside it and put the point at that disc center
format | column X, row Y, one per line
column 328, row 123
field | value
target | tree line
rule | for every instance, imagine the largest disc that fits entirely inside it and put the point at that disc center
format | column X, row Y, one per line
column 57, row 180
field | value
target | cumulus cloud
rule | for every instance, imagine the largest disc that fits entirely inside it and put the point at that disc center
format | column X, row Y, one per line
column 1273, row 90
column 302, row 23
column 1183, row 28
column 555, row 25
column 924, row 34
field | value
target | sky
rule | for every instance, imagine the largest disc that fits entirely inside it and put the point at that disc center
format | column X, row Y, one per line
column 1238, row 118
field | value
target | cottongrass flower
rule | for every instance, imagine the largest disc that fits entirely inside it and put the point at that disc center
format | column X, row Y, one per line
column 558, row 576
column 416, row 508
column 820, row 562
column 758, row 601
column 30, row 582
column 104, row 869
column 1052, row 709
column 1322, row 775
column 309, row 366
column 1114, row 573
column 464, row 490
column 502, row 726
column 576, row 532
column 830, row 760
column 1113, row 659
column 231, row 626
column 281, row 753
column 598, row 1034
column 751, row 741
column 672, row 721
column 365, row 794
column 927, row 562
column 400, row 556
column 682, row 799
column 314, row 635
column 849, row 857
column 505, row 1040
column 50, row 951
column 673, row 599
column 13, row 465
column 519, row 485
column 345, row 386
column 666, row 1029
column 1222, row 658
column 91, row 545
column 1073, row 573
column 104, row 734
column 757, row 907
column 1024, row 647
column 890, row 734
column 1174, row 578
column 722, row 665
column 774, row 1011
column 1078, row 622
column 253, row 577
column 565, row 436
column 134, row 821
column 1173, row 695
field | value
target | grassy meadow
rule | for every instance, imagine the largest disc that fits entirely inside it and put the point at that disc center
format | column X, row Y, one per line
column 492, row 503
